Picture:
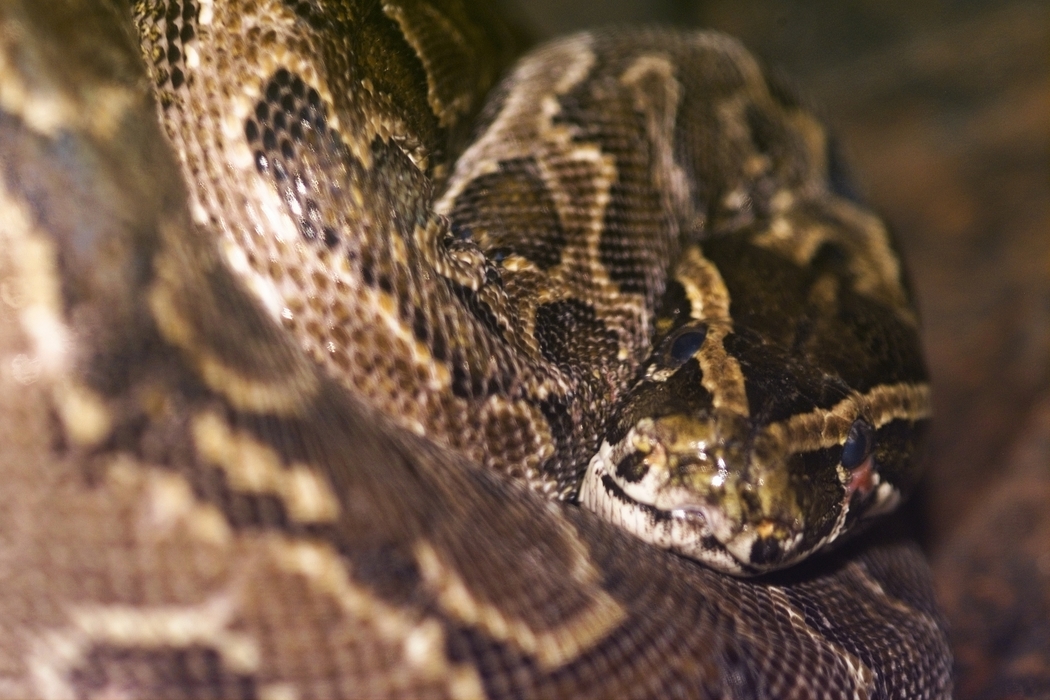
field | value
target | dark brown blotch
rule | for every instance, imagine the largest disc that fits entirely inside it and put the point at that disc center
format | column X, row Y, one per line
column 511, row 211
column 287, row 126
column 571, row 335
column 194, row 670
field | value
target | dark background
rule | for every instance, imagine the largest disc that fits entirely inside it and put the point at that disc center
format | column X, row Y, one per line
column 943, row 109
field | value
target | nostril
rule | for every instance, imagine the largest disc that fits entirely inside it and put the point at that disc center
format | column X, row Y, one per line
column 632, row 468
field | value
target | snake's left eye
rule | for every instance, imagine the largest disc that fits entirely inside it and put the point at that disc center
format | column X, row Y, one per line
column 859, row 444
column 685, row 345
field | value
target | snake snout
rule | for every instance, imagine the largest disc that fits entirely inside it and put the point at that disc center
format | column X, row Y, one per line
column 686, row 484
column 731, row 529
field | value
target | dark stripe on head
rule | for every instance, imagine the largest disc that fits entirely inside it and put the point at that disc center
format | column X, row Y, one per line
column 683, row 394
column 897, row 445
column 802, row 334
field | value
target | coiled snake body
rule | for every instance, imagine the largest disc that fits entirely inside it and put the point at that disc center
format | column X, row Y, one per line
column 307, row 436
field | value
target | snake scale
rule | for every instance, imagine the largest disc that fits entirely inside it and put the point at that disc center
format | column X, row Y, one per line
column 305, row 407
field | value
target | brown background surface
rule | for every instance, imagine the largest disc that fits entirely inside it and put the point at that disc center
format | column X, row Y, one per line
column 943, row 109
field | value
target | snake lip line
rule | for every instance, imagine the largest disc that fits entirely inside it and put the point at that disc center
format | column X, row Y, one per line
column 716, row 554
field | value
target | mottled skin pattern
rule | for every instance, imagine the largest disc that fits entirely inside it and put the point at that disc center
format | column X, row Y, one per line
column 193, row 507
column 502, row 307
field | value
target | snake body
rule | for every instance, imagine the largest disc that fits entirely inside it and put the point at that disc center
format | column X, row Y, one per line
column 300, row 437
column 504, row 308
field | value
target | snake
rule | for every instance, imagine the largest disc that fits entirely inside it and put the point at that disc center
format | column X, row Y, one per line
column 387, row 363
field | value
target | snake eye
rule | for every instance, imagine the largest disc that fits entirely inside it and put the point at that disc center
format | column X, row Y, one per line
column 859, row 444
column 685, row 345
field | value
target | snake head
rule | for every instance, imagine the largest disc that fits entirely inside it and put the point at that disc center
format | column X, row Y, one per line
column 784, row 399
column 750, row 455
column 728, row 495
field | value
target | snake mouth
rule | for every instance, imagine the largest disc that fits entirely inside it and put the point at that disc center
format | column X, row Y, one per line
column 687, row 531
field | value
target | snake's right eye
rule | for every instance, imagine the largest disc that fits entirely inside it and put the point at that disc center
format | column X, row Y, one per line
column 859, row 444
column 685, row 343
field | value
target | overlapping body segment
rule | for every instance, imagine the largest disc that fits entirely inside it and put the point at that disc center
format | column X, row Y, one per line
column 197, row 503
column 503, row 302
